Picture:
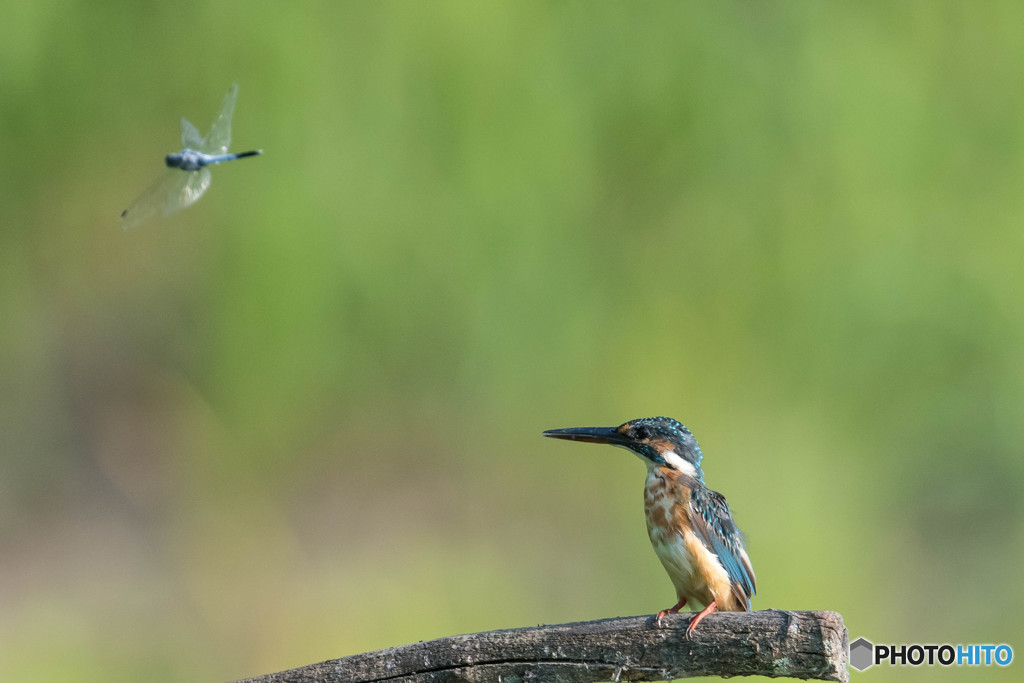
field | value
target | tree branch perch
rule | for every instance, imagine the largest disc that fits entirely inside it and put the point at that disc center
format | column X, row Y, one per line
column 766, row 643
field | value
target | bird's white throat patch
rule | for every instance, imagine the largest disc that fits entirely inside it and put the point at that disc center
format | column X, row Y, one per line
column 680, row 463
column 674, row 460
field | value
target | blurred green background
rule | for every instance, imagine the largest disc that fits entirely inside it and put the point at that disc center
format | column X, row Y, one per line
column 302, row 418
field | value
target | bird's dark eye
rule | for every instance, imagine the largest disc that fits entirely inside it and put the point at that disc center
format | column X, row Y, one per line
column 641, row 433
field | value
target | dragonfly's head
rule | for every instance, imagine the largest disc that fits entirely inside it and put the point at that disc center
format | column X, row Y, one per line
column 173, row 160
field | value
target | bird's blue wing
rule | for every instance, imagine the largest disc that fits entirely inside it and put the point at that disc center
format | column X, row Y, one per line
column 713, row 523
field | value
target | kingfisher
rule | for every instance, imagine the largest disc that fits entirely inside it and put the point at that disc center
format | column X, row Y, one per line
column 690, row 526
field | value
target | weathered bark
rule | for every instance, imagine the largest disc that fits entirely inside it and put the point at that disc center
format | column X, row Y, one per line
column 766, row 643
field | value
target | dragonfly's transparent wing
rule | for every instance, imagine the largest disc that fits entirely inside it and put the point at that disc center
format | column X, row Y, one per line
column 191, row 191
column 150, row 203
column 219, row 138
column 174, row 190
column 190, row 136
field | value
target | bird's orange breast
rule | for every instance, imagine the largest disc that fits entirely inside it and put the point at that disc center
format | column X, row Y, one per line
column 695, row 571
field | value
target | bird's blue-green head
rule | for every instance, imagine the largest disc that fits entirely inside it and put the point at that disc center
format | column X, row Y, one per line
column 658, row 441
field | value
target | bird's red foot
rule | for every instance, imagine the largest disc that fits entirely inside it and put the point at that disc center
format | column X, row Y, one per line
column 671, row 610
column 697, row 618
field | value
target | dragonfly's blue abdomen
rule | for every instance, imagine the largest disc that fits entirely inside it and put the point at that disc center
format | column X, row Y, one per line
column 191, row 160
column 187, row 160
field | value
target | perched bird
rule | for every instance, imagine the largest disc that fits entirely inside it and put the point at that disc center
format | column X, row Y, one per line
column 188, row 174
column 690, row 525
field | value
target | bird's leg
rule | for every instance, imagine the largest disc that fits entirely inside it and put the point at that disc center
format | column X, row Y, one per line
column 671, row 610
column 700, row 615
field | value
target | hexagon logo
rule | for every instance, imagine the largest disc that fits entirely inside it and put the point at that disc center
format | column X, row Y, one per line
column 862, row 653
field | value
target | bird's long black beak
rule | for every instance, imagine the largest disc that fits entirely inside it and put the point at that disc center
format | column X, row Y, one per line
column 607, row 435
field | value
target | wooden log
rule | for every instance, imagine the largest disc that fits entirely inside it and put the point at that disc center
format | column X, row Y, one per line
column 766, row 643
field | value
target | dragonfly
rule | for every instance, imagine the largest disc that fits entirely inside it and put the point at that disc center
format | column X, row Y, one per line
column 188, row 172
